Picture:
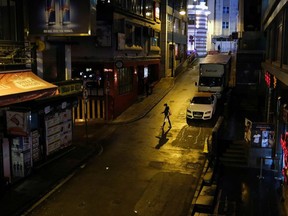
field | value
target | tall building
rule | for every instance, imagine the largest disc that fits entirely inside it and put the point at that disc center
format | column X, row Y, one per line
column 222, row 24
column 213, row 26
column 197, row 27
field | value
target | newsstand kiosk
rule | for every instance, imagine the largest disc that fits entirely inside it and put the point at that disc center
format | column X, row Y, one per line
column 34, row 131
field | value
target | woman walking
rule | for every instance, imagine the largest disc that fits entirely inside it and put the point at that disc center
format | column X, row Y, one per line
column 167, row 113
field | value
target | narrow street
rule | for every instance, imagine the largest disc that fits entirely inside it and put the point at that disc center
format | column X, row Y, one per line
column 141, row 170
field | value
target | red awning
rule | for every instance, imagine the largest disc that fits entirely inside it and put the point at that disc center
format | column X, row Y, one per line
column 16, row 87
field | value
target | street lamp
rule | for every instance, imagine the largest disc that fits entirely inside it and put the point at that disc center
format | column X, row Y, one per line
column 182, row 12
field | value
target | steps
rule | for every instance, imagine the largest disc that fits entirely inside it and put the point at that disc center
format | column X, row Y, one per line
column 235, row 154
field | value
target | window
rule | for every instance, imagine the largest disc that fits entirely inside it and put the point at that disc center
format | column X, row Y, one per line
column 157, row 10
column 225, row 25
column 149, row 9
column 125, row 80
column 225, row 10
column 133, row 35
column 183, row 28
column 278, row 50
column 285, row 51
column 8, row 24
column 170, row 23
column 139, row 7
column 129, row 34
column 272, row 43
column 176, row 25
column 155, row 41
column 138, row 34
column 191, row 19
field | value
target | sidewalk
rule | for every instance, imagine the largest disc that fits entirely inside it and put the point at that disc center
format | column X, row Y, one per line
column 24, row 194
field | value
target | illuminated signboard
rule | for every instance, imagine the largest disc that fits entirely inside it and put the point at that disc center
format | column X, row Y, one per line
column 271, row 81
column 62, row 17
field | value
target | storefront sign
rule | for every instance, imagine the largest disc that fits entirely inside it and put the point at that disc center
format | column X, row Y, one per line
column 70, row 88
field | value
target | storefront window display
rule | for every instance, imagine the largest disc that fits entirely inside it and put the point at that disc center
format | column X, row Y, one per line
column 261, row 135
column 284, row 144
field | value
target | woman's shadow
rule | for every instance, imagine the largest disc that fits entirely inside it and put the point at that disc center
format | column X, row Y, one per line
column 162, row 139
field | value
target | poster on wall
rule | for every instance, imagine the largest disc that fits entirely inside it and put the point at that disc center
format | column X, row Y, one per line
column 262, row 135
column 18, row 123
column 21, row 156
column 247, row 131
column 63, row 17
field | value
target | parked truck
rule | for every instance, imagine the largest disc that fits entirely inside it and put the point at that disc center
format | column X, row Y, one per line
column 214, row 73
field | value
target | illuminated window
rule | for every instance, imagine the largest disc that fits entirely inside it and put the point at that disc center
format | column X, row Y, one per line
column 149, row 9
column 157, row 10
column 139, row 7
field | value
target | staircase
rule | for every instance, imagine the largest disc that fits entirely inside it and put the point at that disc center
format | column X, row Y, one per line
column 236, row 154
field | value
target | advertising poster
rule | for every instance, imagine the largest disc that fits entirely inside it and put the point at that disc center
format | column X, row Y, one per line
column 18, row 123
column 63, row 17
column 247, row 132
column 262, row 135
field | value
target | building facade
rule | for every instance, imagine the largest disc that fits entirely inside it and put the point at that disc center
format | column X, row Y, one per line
column 96, row 57
column 197, row 27
column 213, row 26
column 173, row 36
column 28, row 103
column 275, row 70
column 222, row 25
column 112, row 46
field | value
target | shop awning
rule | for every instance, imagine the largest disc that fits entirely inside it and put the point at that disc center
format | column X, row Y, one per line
column 20, row 86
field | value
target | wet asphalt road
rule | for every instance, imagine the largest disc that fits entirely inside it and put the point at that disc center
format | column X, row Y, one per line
column 142, row 169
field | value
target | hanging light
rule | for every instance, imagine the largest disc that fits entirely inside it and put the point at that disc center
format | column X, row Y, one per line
column 182, row 12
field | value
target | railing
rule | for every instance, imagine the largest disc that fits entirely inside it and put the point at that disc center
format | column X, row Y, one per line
column 92, row 109
column 16, row 53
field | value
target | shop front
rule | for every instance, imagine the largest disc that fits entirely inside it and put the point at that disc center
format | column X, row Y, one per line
column 112, row 87
column 37, row 123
